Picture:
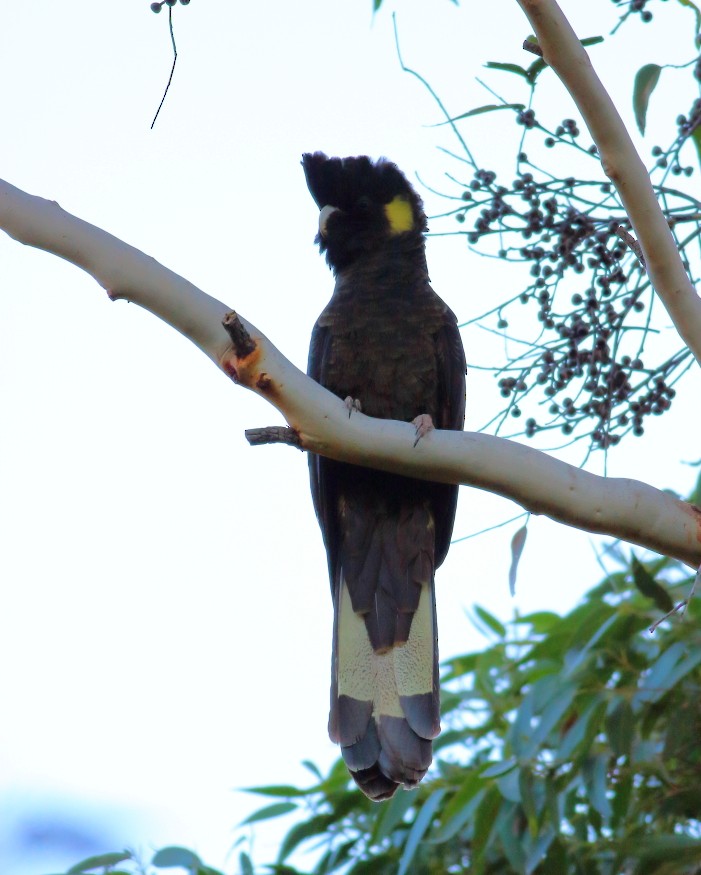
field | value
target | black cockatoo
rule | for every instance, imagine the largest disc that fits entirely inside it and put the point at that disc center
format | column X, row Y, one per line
column 388, row 345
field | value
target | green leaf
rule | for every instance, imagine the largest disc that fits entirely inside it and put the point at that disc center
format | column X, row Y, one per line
column 577, row 736
column 490, row 107
column 620, row 725
column 176, row 856
column 460, row 665
column 392, row 814
column 285, row 790
column 100, row 861
column 507, row 68
column 662, row 675
column 518, row 542
column 646, row 80
column 376, row 5
column 313, row 768
column 649, row 587
column 246, row 864
column 277, row 809
column 490, row 621
column 511, row 840
column 485, row 817
column 553, row 712
column 509, row 786
column 334, row 858
column 419, row 827
column 663, row 847
column 535, row 70
column 540, row 621
column 526, row 791
column 457, row 811
column 500, row 768
column 555, row 862
column 302, row 831
column 575, row 658
column 594, row 773
column 620, row 804
column 537, row 848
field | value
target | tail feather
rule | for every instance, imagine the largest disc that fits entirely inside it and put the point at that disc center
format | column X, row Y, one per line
column 404, row 755
column 376, row 785
column 385, row 703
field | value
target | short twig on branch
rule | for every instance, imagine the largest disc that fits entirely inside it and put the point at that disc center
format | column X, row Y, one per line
column 674, row 610
column 532, row 46
column 682, row 605
column 273, row 434
column 240, row 338
column 632, row 243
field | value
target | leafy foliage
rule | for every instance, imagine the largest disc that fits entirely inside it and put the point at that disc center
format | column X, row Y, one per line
column 129, row 863
column 570, row 745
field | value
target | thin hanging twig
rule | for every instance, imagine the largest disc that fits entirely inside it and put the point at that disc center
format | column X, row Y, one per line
column 172, row 69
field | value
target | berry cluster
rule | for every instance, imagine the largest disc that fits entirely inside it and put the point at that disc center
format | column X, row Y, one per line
column 156, row 7
column 588, row 366
column 635, row 6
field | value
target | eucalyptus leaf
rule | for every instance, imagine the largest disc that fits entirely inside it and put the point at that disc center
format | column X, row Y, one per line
column 646, row 80
column 277, row 809
column 176, row 856
column 420, row 826
column 100, row 861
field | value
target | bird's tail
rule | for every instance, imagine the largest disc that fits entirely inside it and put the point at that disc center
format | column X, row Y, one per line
column 385, row 706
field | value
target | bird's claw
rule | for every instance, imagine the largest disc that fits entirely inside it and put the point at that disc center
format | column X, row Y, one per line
column 423, row 424
column 352, row 404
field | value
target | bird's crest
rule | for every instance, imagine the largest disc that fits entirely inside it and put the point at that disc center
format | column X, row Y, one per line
column 363, row 205
column 341, row 182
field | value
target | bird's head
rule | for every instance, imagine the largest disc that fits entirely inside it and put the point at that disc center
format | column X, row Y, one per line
column 365, row 206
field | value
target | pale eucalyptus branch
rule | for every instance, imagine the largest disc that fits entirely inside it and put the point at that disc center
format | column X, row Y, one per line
column 620, row 161
column 626, row 509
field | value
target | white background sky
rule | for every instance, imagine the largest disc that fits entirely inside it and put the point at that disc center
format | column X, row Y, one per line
column 165, row 620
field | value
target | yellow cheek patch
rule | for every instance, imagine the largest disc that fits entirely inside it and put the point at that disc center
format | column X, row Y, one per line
column 399, row 215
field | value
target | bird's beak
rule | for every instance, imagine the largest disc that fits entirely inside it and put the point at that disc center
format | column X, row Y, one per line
column 324, row 218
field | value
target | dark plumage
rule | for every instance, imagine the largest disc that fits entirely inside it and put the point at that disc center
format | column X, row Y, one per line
column 387, row 340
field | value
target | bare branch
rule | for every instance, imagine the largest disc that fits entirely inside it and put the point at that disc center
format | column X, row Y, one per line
column 631, row 243
column 626, row 509
column 272, row 434
column 242, row 341
column 564, row 53
column 532, row 47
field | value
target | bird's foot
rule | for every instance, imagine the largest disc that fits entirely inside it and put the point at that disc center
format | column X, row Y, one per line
column 423, row 424
column 352, row 404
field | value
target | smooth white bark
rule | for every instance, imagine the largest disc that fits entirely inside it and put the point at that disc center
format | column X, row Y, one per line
column 625, row 509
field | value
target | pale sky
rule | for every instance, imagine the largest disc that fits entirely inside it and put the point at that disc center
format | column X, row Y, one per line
column 165, row 618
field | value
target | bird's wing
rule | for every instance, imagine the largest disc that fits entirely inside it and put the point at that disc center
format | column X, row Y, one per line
column 451, row 415
column 323, row 487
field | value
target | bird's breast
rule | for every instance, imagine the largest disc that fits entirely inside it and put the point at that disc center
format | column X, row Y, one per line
column 382, row 352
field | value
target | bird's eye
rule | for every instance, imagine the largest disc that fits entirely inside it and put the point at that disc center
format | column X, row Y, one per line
column 363, row 203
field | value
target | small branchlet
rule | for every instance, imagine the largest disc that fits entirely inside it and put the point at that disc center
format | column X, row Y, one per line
column 273, row 434
column 241, row 340
column 530, row 45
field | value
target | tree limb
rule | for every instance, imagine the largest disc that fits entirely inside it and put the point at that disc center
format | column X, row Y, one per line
column 565, row 54
column 626, row 509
